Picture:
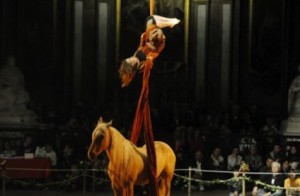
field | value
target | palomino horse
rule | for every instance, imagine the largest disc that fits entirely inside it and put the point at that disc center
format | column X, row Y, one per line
column 128, row 164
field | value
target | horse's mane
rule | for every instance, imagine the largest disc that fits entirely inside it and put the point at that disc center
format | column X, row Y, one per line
column 120, row 136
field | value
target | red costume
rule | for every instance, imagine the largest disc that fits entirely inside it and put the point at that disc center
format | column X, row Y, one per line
column 151, row 44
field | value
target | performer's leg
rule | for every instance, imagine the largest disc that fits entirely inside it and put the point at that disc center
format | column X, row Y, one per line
column 161, row 21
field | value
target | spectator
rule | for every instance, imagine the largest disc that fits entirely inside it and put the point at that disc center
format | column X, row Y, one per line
column 8, row 150
column 51, row 154
column 266, row 168
column 292, row 181
column 216, row 162
column 276, row 153
column 234, row 159
column 286, row 167
column 216, row 159
column 248, row 141
column 181, row 165
column 276, row 179
column 197, row 174
column 28, row 145
column 293, row 156
column 253, row 159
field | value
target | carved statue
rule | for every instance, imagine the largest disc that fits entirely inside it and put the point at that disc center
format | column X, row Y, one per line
column 294, row 97
column 292, row 126
column 13, row 96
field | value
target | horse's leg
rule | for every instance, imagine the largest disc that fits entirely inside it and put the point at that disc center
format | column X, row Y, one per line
column 164, row 186
column 117, row 190
column 130, row 190
column 167, row 187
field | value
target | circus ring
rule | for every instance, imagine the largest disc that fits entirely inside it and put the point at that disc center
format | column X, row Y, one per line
column 96, row 182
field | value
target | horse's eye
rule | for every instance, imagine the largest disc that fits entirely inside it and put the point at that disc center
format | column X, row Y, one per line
column 99, row 139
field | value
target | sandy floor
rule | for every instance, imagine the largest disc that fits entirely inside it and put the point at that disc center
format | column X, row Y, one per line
column 105, row 193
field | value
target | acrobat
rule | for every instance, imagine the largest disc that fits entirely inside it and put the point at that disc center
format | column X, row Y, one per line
column 152, row 42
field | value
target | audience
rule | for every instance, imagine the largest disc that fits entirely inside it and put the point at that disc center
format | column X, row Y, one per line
column 223, row 140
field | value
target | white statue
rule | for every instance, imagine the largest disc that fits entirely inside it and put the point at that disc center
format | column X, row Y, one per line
column 292, row 125
column 13, row 96
column 294, row 97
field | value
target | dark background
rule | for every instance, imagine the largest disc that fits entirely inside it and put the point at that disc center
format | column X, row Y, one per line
column 39, row 33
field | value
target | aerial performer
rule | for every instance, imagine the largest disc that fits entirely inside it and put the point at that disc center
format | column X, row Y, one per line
column 152, row 42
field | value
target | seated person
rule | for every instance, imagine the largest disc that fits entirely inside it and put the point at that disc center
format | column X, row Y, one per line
column 151, row 44
column 234, row 159
column 197, row 174
column 275, row 179
column 28, row 145
column 8, row 150
column 51, row 154
column 291, row 183
column 254, row 159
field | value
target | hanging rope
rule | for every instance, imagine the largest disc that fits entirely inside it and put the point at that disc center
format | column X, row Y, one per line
column 151, row 6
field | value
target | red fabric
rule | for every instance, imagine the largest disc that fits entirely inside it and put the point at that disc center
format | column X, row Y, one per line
column 126, row 74
column 145, row 38
column 20, row 168
column 143, row 120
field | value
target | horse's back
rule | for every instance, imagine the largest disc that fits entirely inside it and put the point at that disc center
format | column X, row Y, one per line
column 165, row 158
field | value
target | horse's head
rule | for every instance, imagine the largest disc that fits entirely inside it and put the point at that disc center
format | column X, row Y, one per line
column 100, row 139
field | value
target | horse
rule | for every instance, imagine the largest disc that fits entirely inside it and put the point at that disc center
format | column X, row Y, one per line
column 128, row 165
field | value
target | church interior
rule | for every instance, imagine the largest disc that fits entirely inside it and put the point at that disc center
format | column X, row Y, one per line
column 222, row 52
column 228, row 65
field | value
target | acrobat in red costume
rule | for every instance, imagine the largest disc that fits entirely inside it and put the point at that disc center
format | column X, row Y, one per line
column 151, row 44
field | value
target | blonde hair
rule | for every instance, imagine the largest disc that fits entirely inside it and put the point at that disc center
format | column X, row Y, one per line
column 276, row 164
column 126, row 73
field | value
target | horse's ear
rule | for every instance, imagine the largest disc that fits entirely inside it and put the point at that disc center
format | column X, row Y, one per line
column 109, row 123
column 100, row 120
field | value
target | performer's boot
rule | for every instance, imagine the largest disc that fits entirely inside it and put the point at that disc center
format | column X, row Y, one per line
column 161, row 22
